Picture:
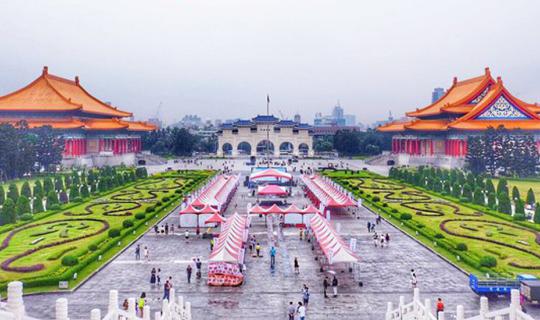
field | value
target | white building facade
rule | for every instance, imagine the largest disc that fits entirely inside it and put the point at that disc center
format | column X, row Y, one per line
column 265, row 135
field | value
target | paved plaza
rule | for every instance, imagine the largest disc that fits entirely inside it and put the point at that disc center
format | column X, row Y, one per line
column 384, row 273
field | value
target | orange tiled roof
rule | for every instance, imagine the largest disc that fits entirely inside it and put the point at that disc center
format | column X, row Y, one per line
column 507, row 124
column 459, row 109
column 55, row 123
column 104, row 124
column 53, row 93
column 395, row 126
column 140, row 126
column 428, row 125
column 461, row 92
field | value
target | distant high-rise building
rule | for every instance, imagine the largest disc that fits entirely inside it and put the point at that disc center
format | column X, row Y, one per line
column 156, row 122
column 437, row 94
column 297, row 118
column 337, row 113
column 350, row 119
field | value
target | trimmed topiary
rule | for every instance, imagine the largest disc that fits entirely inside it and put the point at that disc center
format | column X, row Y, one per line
column 376, row 199
column 92, row 247
column 149, row 209
column 128, row 223
column 113, row 233
column 462, row 246
column 439, row 236
column 69, row 261
column 405, row 216
column 140, row 216
column 26, row 216
column 488, row 261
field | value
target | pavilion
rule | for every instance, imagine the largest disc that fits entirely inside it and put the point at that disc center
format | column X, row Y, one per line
column 437, row 134
column 94, row 132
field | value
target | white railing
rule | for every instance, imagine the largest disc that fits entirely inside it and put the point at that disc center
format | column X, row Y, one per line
column 423, row 311
column 173, row 309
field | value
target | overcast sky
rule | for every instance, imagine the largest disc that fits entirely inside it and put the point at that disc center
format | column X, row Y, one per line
column 219, row 58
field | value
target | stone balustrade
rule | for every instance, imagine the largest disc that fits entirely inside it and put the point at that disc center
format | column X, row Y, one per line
column 423, row 311
column 173, row 309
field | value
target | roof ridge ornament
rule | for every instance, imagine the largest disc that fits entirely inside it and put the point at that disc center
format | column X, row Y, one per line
column 45, row 70
column 455, row 80
column 488, row 72
column 499, row 80
column 77, row 80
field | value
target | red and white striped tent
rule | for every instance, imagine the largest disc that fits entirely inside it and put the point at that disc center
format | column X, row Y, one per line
column 193, row 217
column 323, row 191
column 332, row 245
column 272, row 190
column 293, row 215
column 270, row 173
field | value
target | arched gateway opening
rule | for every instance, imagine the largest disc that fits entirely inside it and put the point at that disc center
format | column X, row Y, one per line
column 264, row 147
column 286, row 148
column 244, row 148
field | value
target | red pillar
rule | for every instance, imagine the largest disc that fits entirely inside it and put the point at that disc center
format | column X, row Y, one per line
column 431, row 147
column 465, row 147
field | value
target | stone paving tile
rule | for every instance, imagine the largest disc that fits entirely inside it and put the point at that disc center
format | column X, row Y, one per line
column 266, row 293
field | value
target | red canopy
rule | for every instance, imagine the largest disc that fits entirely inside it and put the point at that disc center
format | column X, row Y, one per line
column 215, row 218
column 208, row 209
column 272, row 189
column 270, row 173
column 189, row 210
column 257, row 209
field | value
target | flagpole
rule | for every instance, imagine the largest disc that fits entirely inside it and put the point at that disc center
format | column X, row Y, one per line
column 268, row 130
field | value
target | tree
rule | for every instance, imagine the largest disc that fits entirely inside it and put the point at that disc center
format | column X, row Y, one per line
column 58, row 183
column 478, row 197
column 492, row 201
column 490, row 188
column 141, row 172
column 467, row 192
column 84, row 191
column 2, row 195
column 48, row 185
column 38, row 189
column 74, row 192
column 520, row 207
column 38, row 205
column 25, row 190
column 515, row 194
column 48, row 147
column 530, row 197
column 346, row 142
column 13, row 192
column 504, row 203
column 323, row 144
column 456, row 190
column 502, row 186
column 22, row 206
column 52, row 199
column 8, row 212
column 536, row 218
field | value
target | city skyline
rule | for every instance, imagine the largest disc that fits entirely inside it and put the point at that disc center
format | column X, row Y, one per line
column 201, row 56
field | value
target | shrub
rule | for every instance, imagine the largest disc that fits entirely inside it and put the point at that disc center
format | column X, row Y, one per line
column 178, row 191
column 439, row 236
column 165, row 199
column 394, row 210
column 385, row 204
column 26, row 216
column 93, row 247
column 139, row 216
column 488, row 261
column 519, row 216
column 113, row 233
column 376, row 199
column 149, row 209
column 76, row 199
column 158, row 203
column 128, row 223
column 420, row 225
column 55, row 206
column 462, row 246
column 405, row 216
column 69, row 261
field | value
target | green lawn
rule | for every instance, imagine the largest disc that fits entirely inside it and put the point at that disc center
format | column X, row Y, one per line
column 442, row 225
column 523, row 187
column 33, row 252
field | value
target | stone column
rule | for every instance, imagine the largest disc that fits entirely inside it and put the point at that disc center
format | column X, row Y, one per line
column 15, row 303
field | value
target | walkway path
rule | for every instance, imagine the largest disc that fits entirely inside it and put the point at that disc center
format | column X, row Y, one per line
column 266, row 293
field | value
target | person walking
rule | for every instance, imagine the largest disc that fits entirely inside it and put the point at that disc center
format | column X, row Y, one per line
column 387, row 238
column 414, row 280
column 212, row 244
column 272, row 256
column 189, row 270
column 258, row 249
column 141, row 303
column 153, row 277
column 138, row 252
column 186, row 234
column 198, row 265
column 146, row 254
column 301, row 311
column 158, row 277
column 440, row 306
column 305, row 295
column 166, row 228
column 166, row 290
column 296, row 266
column 368, row 226
column 291, row 310
column 325, row 286
column 334, row 286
